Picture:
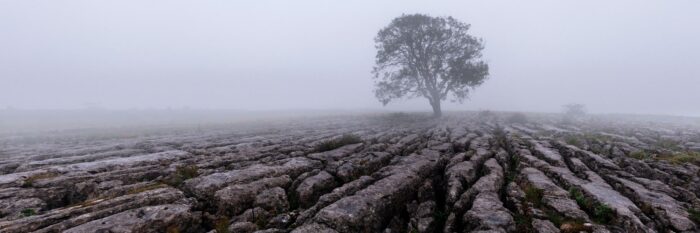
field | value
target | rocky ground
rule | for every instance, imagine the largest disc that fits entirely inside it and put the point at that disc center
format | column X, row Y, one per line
column 465, row 172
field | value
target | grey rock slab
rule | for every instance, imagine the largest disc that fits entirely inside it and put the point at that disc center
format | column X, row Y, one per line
column 237, row 198
column 313, row 187
column 273, row 200
column 144, row 219
column 367, row 208
column 205, row 186
column 314, row 228
column 338, row 153
column 554, row 196
column 670, row 212
column 63, row 218
column 488, row 213
column 544, row 226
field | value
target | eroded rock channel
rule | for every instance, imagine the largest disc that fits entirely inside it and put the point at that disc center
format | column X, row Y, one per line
column 397, row 173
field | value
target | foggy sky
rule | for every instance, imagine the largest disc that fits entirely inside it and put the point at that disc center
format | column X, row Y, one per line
column 613, row 56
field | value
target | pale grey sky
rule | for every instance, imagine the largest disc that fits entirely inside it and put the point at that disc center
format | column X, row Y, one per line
column 627, row 56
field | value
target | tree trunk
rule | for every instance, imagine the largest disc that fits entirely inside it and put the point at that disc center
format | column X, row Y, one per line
column 437, row 111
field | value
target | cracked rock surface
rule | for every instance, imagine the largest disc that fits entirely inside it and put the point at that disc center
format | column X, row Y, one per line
column 464, row 172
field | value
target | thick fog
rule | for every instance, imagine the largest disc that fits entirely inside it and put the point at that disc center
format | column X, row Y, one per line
column 613, row 56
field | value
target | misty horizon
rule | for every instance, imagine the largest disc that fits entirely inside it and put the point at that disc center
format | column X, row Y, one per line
column 627, row 57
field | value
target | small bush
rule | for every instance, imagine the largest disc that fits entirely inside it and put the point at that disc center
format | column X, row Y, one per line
column 183, row 173
column 646, row 208
column 533, row 195
column 187, row 172
column 28, row 212
column 485, row 115
column 694, row 215
column 603, row 213
column 577, row 195
column 333, row 144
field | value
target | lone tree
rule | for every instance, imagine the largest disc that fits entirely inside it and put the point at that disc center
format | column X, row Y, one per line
column 419, row 55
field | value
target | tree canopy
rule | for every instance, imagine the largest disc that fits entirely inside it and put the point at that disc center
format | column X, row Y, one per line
column 433, row 57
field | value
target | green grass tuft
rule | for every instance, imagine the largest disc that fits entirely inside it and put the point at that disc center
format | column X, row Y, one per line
column 682, row 157
column 577, row 195
column 533, row 195
column 640, row 155
column 694, row 215
column 573, row 140
column 28, row 212
column 603, row 213
column 599, row 212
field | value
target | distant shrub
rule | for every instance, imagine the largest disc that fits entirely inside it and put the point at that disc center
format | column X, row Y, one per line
column 573, row 112
column 485, row 115
column 333, row 144
column 517, row 118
